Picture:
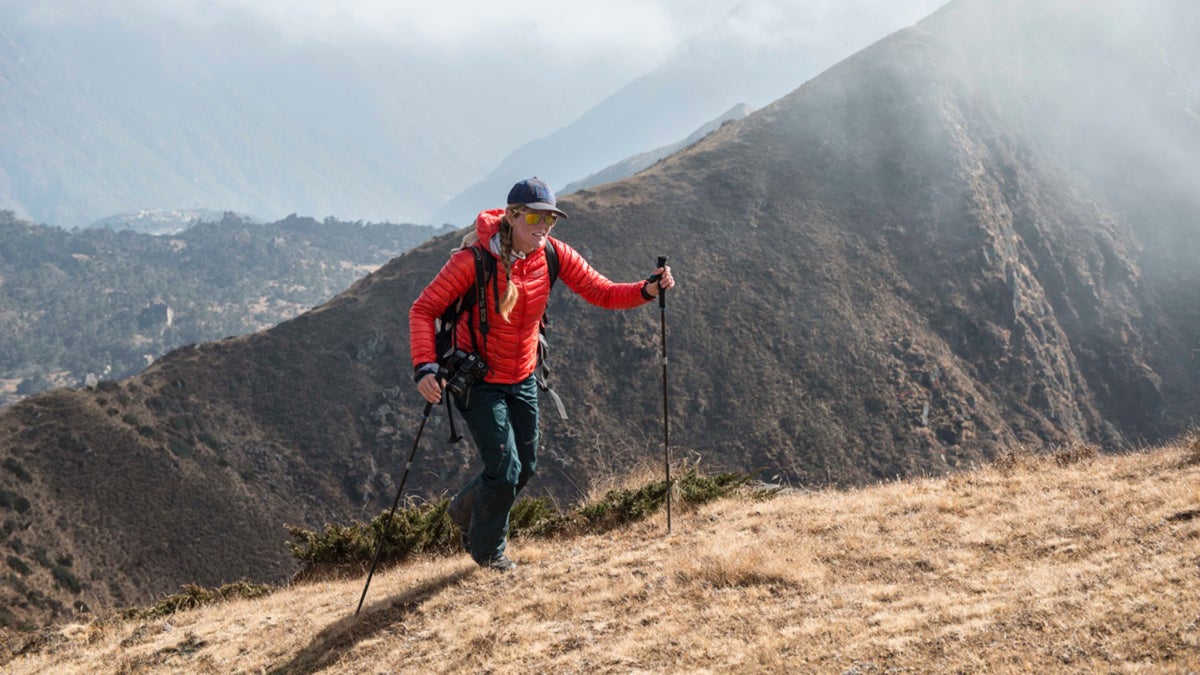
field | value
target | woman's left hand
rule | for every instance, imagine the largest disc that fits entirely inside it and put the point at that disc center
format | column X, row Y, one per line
column 665, row 281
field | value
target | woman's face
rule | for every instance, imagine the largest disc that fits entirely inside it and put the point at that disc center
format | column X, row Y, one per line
column 530, row 236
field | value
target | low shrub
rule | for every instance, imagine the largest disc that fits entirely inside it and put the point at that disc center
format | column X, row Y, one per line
column 17, row 565
column 19, row 471
column 180, row 447
column 12, row 500
column 349, row 548
column 66, row 579
column 194, row 596
column 63, row 577
column 426, row 527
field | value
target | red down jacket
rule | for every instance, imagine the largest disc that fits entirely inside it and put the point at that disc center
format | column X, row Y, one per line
column 511, row 350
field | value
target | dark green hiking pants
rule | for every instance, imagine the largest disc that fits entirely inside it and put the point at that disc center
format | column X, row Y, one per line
column 503, row 419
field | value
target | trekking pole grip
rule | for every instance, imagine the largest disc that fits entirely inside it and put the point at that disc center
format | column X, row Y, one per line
column 662, row 292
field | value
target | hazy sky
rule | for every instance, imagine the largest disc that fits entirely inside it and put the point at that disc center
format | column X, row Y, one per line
column 633, row 33
column 630, row 31
column 583, row 49
column 460, row 83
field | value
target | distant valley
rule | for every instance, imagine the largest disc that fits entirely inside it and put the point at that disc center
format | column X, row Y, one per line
column 88, row 305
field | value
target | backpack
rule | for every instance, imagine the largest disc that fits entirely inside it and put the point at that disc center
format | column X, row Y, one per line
column 475, row 302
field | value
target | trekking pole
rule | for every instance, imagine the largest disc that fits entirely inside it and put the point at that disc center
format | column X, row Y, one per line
column 662, row 305
column 387, row 523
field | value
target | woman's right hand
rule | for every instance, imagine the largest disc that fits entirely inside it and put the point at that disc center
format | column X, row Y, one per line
column 430, row 388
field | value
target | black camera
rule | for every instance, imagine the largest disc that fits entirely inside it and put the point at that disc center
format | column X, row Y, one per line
column 460, row 370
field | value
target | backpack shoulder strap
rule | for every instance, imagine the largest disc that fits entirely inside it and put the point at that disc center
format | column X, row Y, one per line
column 551, row 261
column 475, row 299
column 543, row 370
column 482, row 260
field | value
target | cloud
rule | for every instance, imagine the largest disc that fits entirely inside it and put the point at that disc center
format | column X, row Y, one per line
column 630, row 35
column 821, row 22
column 562, row 31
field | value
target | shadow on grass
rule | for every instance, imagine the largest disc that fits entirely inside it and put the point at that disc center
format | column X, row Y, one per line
column 328, row 646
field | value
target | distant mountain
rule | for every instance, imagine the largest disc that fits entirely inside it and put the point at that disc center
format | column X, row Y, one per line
column 631, row 165
column 215, row 110
column 976, row 234
column 87, row 305
column 759, row 52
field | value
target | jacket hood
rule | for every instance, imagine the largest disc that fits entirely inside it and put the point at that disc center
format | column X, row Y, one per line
column 487, row 223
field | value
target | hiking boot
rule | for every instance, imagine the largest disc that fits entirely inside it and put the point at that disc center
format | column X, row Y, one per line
column 500, row 563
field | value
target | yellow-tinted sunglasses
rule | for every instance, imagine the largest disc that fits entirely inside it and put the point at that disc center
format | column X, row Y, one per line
column 532, row 218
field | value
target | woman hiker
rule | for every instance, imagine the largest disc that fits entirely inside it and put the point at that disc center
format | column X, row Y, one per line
column 502, row 409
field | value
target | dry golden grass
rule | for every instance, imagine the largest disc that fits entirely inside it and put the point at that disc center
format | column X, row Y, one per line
column 1066, row 563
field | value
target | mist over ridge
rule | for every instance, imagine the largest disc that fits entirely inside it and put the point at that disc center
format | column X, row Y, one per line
column 759, row 51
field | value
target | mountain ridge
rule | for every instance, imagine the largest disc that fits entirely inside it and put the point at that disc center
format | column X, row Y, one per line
column 631, row 165
column 757, row 53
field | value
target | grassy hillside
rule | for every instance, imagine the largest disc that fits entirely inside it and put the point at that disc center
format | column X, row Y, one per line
column 1062, row 562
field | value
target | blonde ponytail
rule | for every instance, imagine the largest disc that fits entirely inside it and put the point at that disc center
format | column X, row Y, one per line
column 510, row 289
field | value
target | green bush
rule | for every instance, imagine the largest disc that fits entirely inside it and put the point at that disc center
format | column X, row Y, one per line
column 9, row 620
column 62, row 576
column 12, row 500
column 194, row 596
column 19, row 471
column 18, row 565
column 181, row 447
column 426, row 527
column 66, row 579
column 625, row 505
column 536, row 517
column 622, row 506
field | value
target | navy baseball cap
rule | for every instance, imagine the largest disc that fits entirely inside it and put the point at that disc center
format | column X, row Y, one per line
column 535, row 194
